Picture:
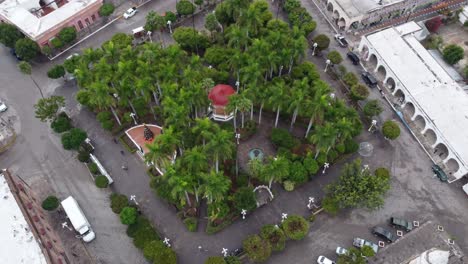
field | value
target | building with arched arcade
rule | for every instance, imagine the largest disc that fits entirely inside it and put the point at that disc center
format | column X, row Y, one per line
column 434, row 106
column 360, row 14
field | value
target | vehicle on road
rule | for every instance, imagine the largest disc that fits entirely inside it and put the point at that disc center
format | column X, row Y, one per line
column 384, row 233
column 369, row 79
column 130, row 12
column 359, row 242
column 401, row 223
column 465, row 188
column 71, row 76
column 13, row 52
column 341, row 251
column 78, row 219
column 439, row 173
column 341, row 40
column 324, row 260
column 353, row 57
column 3, row 107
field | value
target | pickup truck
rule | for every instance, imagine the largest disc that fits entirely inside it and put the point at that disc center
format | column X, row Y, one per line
column 359, row 242
column 341, row 40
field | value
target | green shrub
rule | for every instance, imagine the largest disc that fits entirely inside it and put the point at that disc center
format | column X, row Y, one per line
column 297, row 173
column 242, row 180
column 218, row 210
column 250, row 128
column 332, row 155
column 391, row 130
column 275, row 236
column 232, row 260
column 288, row 185
column 118, row 202
column 453, row 53
column 101, row 181
column 50, row 203
column 144, row 236
column 311, row 218
column 61, row 124
column 67, row 34
column 56, row 43
column 211, row 228
column 359, row 92
column 244, row 198
column 215, row 260
column 106, row 9
column 73, row 138
column 83, row 156
column 128, row 215
column 351, row 146
column 311, row 164
column 285, row 152
column 382, row 172
column 321, row 158
column 295, row 227
column 257, row 249
column 93, row 168
column 170, row 16
column 282, row 138
column 185, row 7
column 191, row 223
column 141, row 223
column 350, row 79
column 157, row 252
column 57, row 71
column 330, row 205
column 372, row 108
column 340, row 147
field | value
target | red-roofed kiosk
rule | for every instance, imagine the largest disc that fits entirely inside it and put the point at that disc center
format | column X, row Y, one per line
column 219, row 97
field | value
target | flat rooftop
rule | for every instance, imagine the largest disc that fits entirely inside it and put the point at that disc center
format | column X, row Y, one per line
column 18, row 244
column 354, row 8
column 422, row 244
column 441, row 99
column 19, row 13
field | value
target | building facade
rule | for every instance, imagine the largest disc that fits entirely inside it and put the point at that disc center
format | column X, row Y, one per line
column 361, row 14
column 27, row 236
column 430, row 102
column 42, row 20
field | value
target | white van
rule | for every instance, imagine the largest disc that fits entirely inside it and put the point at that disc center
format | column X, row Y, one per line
column 78, row 219
column 465, row 188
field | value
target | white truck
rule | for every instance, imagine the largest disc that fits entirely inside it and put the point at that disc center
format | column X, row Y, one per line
column 78, row 219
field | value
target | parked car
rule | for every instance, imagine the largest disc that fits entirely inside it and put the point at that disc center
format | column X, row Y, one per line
column 324, row 260
column 353, row 57
column 341, row 40
column 369, row 79
column 401, row 223
column 130, row 12
column 3, row 107
column 359, row 242
column 440, row 173
column 341, row 251
column 13, row 52
column 465, row 188
column 384, row 233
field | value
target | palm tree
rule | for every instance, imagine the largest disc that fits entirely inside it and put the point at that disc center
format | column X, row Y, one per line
column 257, row 169
column 324, row 138
column 236, row 61
column 298, row 46
column 238, row 37
column 239, row 102
column 221, row 147
column 162, row 150
column 344, row 128
column 316, row 106
column 194, row 160
column 297, row 98
column 215, row 186
column 181, row 185
column 276, row 170
column 251, row 73
column 204, row 129
column 277, row 97
column 251, row 20
column 101, row 98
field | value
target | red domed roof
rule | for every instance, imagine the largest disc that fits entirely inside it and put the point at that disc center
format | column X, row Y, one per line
column 219, row 94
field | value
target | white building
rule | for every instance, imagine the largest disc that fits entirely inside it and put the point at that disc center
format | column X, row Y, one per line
column 359, row 14
column 463, row 16
column 435, row 107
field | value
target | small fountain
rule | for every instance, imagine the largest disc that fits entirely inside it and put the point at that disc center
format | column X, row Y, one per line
column 256, row 153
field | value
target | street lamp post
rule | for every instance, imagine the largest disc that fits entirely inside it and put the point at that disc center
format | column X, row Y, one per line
column 311, row 201
column 237, row 86
column 325, row 167
column 315, row 46
column 132, row 115
column 284, row 216
column 373, row 124
column 328, row 62
column 243, row 213
column 169, row 25
column 149, row 36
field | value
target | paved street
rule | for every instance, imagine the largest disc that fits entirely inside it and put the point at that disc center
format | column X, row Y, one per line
column 39, row 158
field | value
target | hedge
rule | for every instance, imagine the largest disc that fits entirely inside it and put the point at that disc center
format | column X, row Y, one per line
column 191, row 223
column 257, row 249
column 50, row 203
column 275, row 236
column 118, row 202
column 295, row 227
column 101, row 181
column 128, row 215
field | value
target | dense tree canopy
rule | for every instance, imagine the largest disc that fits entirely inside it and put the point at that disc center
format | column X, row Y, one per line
column 453, row 53
column 335, row 57
column 322, row 41
column 57, row 71
column 106, row 9
column 356, row 187
column 47, row 108
column 391, row 130
column 26, row 49
column 9, row 35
